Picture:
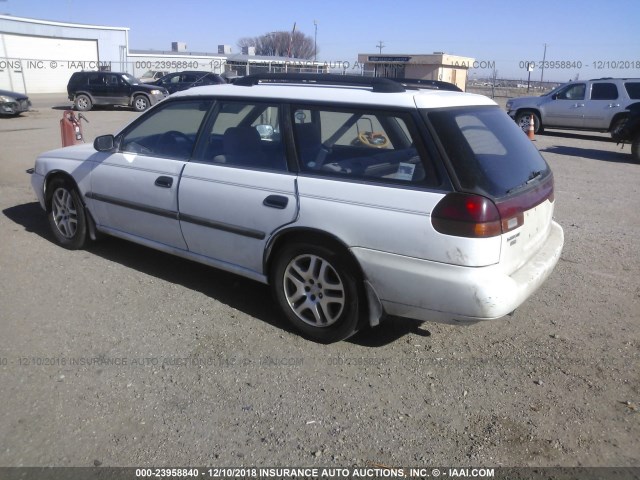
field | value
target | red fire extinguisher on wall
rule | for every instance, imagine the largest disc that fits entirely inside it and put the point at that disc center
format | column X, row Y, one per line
column 71, row 128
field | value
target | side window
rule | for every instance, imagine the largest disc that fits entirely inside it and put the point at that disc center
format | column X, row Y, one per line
column 168, row 132
column 96, row 79
column 633, row 89
column 111, row 80
column 246, row 134
column 604, row 91
column 574, row 92
column 358, row 144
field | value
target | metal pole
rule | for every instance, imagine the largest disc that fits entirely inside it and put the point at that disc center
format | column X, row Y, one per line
column 544, row 56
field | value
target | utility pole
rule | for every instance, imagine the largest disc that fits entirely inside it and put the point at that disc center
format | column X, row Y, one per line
column 380, row 45
column 315, row 41
column 544, row 56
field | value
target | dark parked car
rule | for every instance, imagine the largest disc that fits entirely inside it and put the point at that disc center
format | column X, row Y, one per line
column 13, row 103
column 174, row 82
column 87, row 89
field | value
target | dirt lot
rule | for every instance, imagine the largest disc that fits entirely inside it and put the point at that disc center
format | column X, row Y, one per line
column 123, row 356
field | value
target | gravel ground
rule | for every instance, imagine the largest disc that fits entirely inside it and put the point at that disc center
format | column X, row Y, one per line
column 122, row 356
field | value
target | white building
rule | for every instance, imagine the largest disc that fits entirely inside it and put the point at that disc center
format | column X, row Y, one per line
column 38, row 56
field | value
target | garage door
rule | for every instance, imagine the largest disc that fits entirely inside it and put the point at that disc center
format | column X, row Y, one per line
column 43, row 64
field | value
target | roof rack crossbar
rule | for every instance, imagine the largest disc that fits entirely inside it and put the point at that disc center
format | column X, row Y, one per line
column 377, row 84
column 428, row 84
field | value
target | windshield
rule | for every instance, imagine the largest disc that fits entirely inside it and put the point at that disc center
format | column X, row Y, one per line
column 489, row 153
column 130, row 79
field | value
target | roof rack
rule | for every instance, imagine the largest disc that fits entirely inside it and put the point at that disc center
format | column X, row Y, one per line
column 377, row 84
column 429, row 84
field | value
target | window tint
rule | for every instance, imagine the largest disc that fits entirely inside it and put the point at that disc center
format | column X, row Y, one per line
column 604, row 91
column 97, row 79
column 633, row 89
column 359, row 144
column 169, row 131
column 488, row 151
column 573, row 92
column 246, row 134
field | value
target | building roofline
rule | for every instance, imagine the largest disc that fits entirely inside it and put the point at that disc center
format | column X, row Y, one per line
column 59, row 24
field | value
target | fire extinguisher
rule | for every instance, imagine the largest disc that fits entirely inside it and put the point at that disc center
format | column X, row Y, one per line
column 71, row 128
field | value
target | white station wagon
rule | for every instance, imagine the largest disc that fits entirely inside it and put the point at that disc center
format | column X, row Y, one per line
column 353, row 198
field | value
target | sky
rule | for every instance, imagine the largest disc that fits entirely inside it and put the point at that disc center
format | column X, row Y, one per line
column 584, row 39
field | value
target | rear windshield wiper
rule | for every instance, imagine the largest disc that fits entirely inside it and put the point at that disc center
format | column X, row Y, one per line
column 532, row 176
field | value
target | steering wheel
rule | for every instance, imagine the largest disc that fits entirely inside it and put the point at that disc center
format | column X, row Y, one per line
column 174, row 143
column 373, row 139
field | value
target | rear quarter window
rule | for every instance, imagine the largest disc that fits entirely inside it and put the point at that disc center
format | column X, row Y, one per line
column 488, row 152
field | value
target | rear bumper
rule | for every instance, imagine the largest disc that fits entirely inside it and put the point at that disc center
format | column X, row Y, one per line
column 432, row 291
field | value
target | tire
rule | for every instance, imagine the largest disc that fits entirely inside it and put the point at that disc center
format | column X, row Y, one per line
column 523, row 119
column 83, row 103
column 616, row 125
column 635, row 149
column 67, row 218
column 319, row 291
column 140, row 103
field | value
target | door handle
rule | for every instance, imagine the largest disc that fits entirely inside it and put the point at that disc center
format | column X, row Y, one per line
column 164, row 182
column 276, row 201
column 614, row 105
column 578, row 105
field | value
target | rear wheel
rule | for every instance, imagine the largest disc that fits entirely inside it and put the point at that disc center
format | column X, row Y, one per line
column 617, row 125
column 318, row 290
column 635, row 148
column 83, row 103
column 523, row 119
column 67, row 218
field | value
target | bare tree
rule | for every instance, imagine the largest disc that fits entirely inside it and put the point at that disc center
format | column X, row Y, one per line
column 281, row 44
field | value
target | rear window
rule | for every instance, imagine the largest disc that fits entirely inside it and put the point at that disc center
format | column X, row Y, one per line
column 633, row 89
column 488, row 151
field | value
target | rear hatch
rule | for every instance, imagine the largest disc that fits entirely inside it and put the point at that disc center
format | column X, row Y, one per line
column 495, row 166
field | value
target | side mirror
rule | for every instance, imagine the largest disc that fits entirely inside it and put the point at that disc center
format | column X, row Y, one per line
column 104, row 143
column 554, row 96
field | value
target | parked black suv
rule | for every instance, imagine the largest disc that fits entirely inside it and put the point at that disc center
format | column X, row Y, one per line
column 87, row 89
column 174, row 82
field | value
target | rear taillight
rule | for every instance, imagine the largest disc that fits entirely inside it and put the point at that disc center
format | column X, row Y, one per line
column 466, row 215
column 475, row 216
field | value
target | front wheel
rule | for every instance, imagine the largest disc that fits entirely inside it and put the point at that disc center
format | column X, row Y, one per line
column 523, row 119
column 140, row 103
column 319, row 291
column 67, row 218
column 83, row 103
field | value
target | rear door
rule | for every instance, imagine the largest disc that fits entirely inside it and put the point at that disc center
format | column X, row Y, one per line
column 239, row 190
column 604, row 102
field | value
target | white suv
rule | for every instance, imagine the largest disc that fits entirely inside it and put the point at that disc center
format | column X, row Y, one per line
column 597, row 105
column 354, row 198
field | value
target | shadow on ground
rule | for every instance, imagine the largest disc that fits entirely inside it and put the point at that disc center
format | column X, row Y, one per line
column 623, row 156
column 245, row 295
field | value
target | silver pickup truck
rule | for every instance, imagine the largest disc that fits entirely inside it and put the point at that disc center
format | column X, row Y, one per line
column 596, row 105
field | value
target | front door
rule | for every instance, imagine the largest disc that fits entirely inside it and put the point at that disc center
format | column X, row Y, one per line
column 566, row 108
column 134, row 191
